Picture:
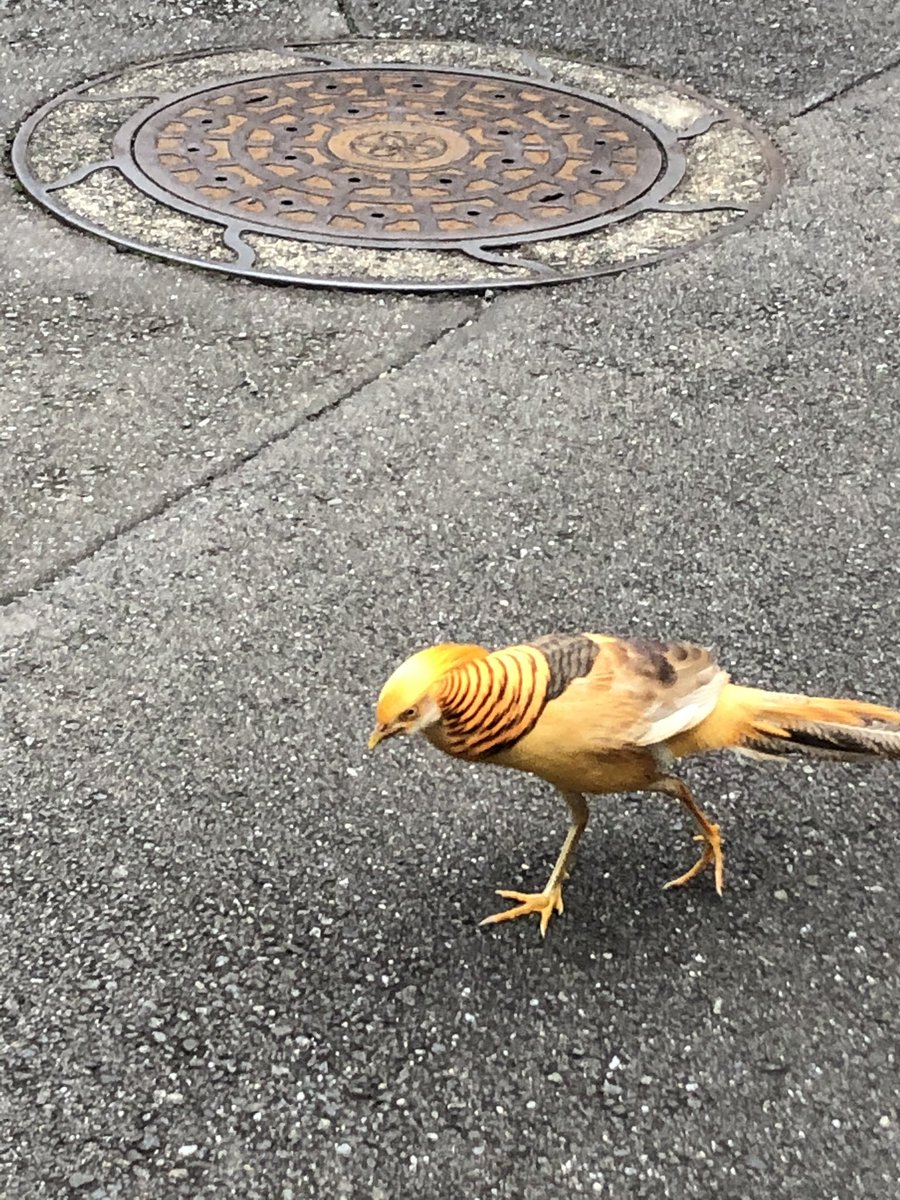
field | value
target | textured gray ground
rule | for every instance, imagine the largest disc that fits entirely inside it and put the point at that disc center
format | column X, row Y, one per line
column 771, row 57
column 240, row 955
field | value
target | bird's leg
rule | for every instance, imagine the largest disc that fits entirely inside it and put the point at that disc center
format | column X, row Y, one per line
column 549, row 900
column 709, row 834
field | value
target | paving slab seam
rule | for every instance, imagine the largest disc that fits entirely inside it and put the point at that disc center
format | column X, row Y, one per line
column 314, row 412
column 358, row 26
column 826, row 98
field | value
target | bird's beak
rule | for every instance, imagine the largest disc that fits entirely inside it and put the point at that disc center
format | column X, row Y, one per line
column 378, row 734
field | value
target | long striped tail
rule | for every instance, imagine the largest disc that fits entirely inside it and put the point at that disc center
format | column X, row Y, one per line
column 776, row 725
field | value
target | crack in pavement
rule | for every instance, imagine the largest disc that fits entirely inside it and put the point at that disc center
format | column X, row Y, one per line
column 357, row 26
column 65, row 565
column 838, row 93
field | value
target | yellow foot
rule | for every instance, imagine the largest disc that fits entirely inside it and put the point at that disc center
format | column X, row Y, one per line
column 546, row 903
column 712, row 853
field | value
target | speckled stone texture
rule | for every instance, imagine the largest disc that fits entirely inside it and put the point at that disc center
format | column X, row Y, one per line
column 773, row 58
column 240, row 954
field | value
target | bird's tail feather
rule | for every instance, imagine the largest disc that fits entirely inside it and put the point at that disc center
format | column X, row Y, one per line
column 777, row 725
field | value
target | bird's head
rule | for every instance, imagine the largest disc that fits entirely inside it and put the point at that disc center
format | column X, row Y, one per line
column 408, row 702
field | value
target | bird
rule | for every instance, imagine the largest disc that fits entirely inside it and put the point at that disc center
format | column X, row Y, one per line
column 594, row 714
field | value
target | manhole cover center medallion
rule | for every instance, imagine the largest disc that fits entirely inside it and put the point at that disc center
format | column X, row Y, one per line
column 405, row 147
column 400, row 154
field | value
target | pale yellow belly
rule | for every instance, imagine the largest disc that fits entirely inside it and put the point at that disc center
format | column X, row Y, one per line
column 594, row 774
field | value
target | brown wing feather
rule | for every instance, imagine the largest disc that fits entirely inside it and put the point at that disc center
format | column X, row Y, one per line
column 639, row 693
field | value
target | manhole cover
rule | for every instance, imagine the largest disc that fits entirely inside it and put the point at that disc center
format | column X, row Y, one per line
column 394, row 164
column 400, row 156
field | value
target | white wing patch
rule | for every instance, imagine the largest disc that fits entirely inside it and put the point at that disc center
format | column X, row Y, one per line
column 665, row 722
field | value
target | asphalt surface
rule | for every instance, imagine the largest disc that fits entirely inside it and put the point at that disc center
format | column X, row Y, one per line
column 241, row 955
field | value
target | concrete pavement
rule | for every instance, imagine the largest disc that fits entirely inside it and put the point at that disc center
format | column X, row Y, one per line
column 241, row 954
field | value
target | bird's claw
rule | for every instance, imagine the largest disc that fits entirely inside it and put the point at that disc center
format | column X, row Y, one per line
column 712, row 854
column 546, row 903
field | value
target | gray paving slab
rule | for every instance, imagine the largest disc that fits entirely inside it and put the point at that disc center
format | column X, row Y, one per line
column 241, row 954
column 774, row 58
column 49, row 45
column 125, row 384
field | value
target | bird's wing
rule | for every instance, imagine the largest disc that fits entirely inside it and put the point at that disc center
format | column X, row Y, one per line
column 639, row 693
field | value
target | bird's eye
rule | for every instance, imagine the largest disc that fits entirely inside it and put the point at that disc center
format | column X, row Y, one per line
column 408, row 715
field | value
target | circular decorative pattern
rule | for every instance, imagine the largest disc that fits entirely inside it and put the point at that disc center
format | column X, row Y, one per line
column 401, row 155
column 407, row 147
column 395, row 164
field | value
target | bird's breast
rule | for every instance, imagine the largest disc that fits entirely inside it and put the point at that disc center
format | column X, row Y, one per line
column 582, row 770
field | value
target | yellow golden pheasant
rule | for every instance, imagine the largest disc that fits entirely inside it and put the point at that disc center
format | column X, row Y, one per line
column 594, row 714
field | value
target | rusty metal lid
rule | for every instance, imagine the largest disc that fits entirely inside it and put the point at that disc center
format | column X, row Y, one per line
column 400, row 156
column 426, row 169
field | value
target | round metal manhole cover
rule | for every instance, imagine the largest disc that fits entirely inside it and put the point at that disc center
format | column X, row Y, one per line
column 402, row 165
column 401, row 155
